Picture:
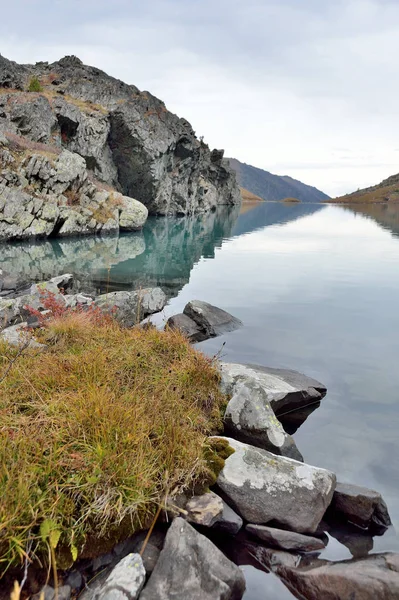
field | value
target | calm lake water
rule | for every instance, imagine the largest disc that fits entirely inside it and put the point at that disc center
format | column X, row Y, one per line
column 317, row 288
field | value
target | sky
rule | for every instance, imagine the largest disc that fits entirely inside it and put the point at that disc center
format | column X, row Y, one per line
column 306, row 88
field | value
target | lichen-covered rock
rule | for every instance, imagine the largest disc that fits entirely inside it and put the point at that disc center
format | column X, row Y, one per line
column 133, row 214
column 286, row 390
column 265, row 488
column 204, row 510
column 190, row 566
column 249, row 418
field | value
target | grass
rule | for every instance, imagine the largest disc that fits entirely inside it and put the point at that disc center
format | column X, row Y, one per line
column 96, row 431
column 248, row 196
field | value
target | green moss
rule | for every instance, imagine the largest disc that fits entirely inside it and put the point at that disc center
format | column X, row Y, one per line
column 216, row 451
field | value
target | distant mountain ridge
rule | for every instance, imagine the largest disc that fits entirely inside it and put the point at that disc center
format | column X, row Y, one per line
column 274, row 187
column 387, row 190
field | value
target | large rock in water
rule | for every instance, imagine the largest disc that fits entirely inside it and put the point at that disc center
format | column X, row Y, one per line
column 206, row 321
column 373, row 578
column 249, row 418
column 286, row 390
column 191, row 567
column 265, row 488
column 129, row 308
column 128, row 138
column 360, row 506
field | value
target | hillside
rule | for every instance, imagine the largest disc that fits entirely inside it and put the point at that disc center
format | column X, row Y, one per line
column 273, row 187
column 248, row 196
column 387, row 190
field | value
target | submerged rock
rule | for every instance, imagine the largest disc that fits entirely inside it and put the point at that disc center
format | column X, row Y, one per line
column 286, row 540
column 190, row 566
column 373, row 578
column 286, row 390
column 359, row 505
column 265, row 488
column 249, row 418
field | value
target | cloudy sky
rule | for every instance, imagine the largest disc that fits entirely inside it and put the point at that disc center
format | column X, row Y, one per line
column 307, row 88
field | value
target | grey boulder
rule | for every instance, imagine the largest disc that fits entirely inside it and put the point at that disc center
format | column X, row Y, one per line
column 373, row 578
column 359, row 505
column 190, row 566
column 286, row 390
column 192, row 331
column 212, row 320
column 129, row 308
column 249, row 418
column 285, row 540
column 124, row 582
column 263, row 488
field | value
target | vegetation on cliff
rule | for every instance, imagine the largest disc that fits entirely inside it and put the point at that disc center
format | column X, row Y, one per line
column 386, row 191
column 97, row 431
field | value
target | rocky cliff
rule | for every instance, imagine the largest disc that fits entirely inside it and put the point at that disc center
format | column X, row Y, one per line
column 127, row 141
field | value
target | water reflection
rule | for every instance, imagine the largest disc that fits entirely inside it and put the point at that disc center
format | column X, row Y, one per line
column 385, row 214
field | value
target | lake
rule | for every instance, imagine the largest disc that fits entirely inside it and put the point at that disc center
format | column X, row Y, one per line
column 317, row 288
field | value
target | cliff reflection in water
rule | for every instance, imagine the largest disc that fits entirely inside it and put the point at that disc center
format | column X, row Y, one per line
column 163, row 254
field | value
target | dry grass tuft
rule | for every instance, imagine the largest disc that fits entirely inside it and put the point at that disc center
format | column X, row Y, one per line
column 96, row 430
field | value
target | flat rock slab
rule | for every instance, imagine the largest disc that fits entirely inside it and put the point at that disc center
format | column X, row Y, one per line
column 249, row 418
column 191, row 567
column 263, row 488
column 359, row 505
column 286, row 390
column 285, row 540
column 373, row 578
column 212, row 320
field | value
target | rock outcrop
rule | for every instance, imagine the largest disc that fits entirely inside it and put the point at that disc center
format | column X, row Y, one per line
column 125, row 138
column 264, row 488
column 200, row 321
column 190, row 566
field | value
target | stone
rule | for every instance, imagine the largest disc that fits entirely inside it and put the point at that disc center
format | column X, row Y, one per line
column 265, row 488
column 228, row 522
column 129, row 308
column 190, row 566
column 64, row 281
column 286, row 390
column 373, row 578
column 74, row 580
column 16, row 335
column 249, row 418
column 285, row 540
column 8, row 311
column 125, row 581
column 204, row 510
column 48, row 593
column 212, row 320
column 359, row 505
column 192, row 331
column 132, row 214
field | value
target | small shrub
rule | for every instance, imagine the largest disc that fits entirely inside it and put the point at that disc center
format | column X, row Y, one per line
column 34, row 85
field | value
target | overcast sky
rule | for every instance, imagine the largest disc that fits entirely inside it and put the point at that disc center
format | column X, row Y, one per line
column 307, row 88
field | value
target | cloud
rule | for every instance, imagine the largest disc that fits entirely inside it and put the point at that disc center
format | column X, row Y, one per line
column 279, row 84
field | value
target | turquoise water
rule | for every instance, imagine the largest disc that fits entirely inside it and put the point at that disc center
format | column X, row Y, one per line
column 317, row 288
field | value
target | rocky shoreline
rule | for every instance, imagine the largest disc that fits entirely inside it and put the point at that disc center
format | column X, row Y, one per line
column 266, row 500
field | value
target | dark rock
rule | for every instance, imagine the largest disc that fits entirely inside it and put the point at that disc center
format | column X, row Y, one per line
column 64, row 593
column 190, row 328
column 228, row 522
column 286, row 390
column 249, row 418
column 360, row 506
column 265, row 488
column 373, row 578
column 190, row 566
column 212, row 320
column 285, row 540
column 74, row 580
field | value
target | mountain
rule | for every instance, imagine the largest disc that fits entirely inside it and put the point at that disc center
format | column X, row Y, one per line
column 273, row 187
column 387, row 190
column 71, row 135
